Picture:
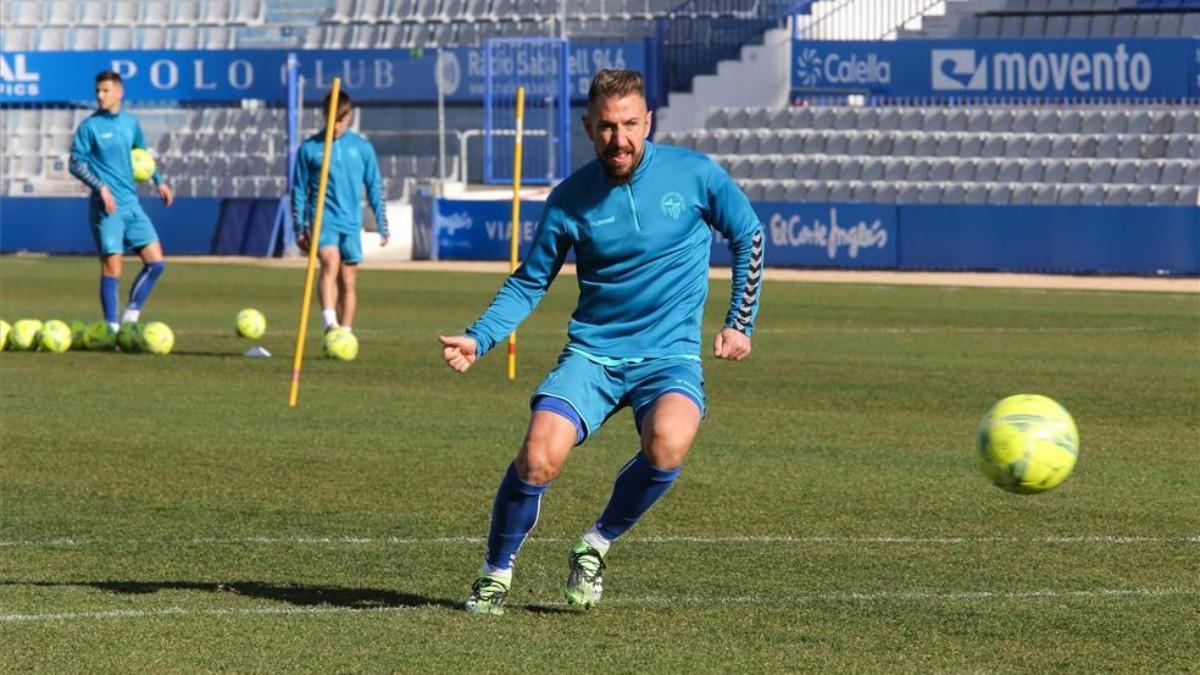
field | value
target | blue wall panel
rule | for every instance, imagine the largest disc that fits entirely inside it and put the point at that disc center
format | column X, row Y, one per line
column 61, row 224
column 1142, row 240
column 1091, row 239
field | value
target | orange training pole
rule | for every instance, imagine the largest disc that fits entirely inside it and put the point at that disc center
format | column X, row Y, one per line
column 516, row 219
column 313, row 239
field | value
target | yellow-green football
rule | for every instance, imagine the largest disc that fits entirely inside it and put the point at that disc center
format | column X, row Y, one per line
column 99, row 337
column 340, row 345
column 143, row 164
column 78, row 328
column 129, row 337
column 1027, row 444
column 251, row 324
column 24, row 335
column 5, row 329
column 55, row 336
column 158, row 338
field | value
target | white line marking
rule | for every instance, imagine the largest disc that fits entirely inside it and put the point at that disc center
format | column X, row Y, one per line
column 916, row 330
column 650, row 601
column 179, row 611
column 680, row 539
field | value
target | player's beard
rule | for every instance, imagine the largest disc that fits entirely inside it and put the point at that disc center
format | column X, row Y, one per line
column 621, row 173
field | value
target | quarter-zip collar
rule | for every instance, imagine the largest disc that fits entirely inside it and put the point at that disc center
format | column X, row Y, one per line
column 644, row 165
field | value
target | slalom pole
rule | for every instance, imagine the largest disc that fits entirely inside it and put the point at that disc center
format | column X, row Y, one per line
column 313, row 239
column 516, row 219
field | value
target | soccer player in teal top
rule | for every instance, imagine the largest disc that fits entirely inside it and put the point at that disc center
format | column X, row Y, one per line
column 352, row 166
column 638, row 219
column 100, row 157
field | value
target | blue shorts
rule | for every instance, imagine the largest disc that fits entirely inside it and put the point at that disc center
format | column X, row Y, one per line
column 128, row 228
column 596, row 392
column 348, row 244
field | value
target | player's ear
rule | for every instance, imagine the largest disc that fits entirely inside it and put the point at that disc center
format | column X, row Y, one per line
column 649, row 123
column 587, row 125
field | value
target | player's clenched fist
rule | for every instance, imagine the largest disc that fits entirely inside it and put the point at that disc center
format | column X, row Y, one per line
column 731, row 344
column 459, row 351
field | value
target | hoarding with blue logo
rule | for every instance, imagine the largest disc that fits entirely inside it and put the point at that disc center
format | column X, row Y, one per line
column 465, row 229
column 798, row 235
column 1082, row 69
column 824, row 235
column 1057, row 239
column 369, row 75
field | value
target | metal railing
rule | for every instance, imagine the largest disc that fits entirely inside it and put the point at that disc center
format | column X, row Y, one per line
column 698, row 34
column 859, row 19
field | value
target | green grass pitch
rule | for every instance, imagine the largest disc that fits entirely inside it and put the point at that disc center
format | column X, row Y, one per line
column 172, row 514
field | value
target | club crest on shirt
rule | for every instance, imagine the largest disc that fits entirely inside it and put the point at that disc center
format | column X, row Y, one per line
column 672, row 205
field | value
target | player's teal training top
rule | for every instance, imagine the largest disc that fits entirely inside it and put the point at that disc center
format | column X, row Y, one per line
column 100, row 154
column 353, row 165
column 642, row 257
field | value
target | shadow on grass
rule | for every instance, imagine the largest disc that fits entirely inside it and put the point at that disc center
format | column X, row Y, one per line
column 551, row 609
column 303, row 596
column 219, row 355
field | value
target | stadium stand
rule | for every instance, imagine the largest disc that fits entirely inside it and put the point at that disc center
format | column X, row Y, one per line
column 942, row 155
column 227, row 152
column 1037, row 154
column 1062, row 19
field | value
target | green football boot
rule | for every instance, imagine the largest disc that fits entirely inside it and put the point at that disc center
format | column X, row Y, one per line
column 585, row 581
column 488, row 594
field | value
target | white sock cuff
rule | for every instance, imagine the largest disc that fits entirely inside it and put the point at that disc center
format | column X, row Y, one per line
column 501, row 572
column 597, row 540
column 329, row 316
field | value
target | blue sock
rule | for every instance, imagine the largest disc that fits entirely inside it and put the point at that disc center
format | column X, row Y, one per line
column 514, row 514
column 144, row 283
column 637, row 487
column 109, row 290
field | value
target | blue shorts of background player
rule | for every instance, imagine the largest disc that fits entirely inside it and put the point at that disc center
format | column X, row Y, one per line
column 127, row 229
column 348, row 244
column 587, row 393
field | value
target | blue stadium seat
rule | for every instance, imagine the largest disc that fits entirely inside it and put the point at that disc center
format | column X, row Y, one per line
column 895, row 169
column 1032, row 171
column 1071, row 195
column 185, row 12
column 1054, row 171
column 1021, row 194
column 91, row 13
column 58, row 13
column 1045, row 195
column 1165, row 195
column 85, row 38
column 16, row 39
column 930, row 193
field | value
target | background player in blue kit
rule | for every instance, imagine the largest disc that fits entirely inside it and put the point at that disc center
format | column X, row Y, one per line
column 352, row 166
column 100, row 157
column 638, row 219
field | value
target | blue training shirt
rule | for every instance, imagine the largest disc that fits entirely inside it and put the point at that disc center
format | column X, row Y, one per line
column 352, row 166
column 100, row 154
column 642, row 257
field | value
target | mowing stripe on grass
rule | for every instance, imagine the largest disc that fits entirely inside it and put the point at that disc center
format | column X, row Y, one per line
column 650, row 601
column 680, row 539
